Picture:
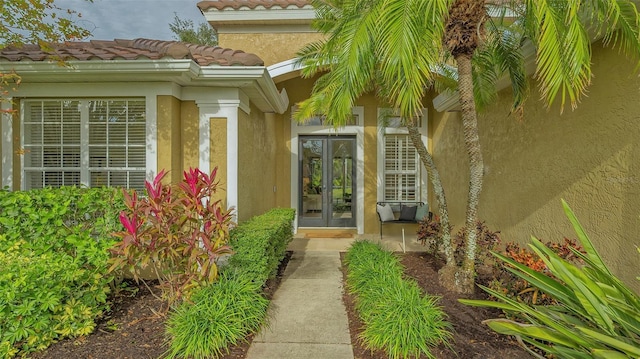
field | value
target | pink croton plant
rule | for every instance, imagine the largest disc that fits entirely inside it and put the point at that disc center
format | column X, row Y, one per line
column 176, row 231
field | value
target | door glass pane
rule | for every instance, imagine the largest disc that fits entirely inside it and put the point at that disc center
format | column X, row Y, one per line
column 312, row 186
column 342, row 178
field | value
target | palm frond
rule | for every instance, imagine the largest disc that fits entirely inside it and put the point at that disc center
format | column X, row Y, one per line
column 485, row 75
column 507, row 40
column 617, row 21
column 312, row 58
column 409, row 47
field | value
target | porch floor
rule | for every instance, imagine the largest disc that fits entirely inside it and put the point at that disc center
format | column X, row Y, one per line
column 300, row 242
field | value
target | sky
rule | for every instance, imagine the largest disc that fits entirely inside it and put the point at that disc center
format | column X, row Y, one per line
column 130, row 19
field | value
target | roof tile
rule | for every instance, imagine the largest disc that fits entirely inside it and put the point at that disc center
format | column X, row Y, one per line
column 132, row 50
column 251, row 4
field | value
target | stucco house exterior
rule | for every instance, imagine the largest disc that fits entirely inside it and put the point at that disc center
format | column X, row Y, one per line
column 122, row 110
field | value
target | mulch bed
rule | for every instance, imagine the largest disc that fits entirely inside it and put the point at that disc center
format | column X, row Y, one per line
column 471, row 338
column 135, row 328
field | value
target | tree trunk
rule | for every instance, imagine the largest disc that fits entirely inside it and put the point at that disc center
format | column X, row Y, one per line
column 465, row 276
column 434, row 177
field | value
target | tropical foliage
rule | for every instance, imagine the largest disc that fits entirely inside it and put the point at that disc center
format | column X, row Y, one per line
column 398, row 318
column 53, row 264
column 177, row 232
column 219, row 315
column 401, row 48
column 597, row 315
column 222, row 313
column 515, row 287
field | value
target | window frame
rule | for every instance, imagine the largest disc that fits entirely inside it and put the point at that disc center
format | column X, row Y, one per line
column 84, row 144
column 401, row 172
column 421, row 179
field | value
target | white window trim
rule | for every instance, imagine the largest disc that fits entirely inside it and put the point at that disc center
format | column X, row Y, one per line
column 6, row 128
column 423, row 194
column 149, row 91
column 358, row 131
column 150, row 136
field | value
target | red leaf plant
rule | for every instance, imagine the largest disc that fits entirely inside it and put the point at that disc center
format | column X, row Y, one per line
column 514, row 287
column 176, row 233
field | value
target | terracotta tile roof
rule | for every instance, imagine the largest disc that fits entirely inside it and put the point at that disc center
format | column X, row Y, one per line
column 251, row 4
column 133, row 50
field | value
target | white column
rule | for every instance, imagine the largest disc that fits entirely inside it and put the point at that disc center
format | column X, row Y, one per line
column 6, row 128
column 221, row 109
column 151, row 103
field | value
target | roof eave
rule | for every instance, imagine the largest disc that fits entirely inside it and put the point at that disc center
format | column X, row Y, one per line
column 113, row 70
column 254, row 80
column 450, row 100
column 258, row 85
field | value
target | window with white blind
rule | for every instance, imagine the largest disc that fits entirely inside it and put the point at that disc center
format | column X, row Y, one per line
column 401, row 169
column 84, row 142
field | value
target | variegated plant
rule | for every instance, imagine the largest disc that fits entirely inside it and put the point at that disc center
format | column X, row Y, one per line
column 598, row 316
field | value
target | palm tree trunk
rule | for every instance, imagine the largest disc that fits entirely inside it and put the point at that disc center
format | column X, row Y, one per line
column 465, row 277
column 434, row 177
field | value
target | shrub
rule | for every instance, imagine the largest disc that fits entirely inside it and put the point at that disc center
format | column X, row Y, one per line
column 430, row 234
column 178, row 232
column 43, row 217
column 53, row 260
column 598, row 316
column 260, row 244
column 45, row 297
column 219, row 315
column 515, row 287
column 397, row 317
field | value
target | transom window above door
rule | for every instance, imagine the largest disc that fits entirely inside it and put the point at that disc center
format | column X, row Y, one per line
column 91, row 142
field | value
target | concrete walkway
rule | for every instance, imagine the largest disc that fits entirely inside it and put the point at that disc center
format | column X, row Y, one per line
column 308, row 318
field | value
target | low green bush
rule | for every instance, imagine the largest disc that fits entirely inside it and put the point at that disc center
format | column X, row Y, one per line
column 219, row 315
column 53, row 264
column 397, row 317
column 222, row 313
column 260, row 244
column 38, row 215
column 597, row 315
column 44, row 297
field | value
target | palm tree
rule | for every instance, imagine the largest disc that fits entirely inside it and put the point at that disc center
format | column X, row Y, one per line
column 400, row 48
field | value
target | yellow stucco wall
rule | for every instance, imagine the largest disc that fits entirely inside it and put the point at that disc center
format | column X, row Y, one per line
column 589, row 157
column 258, row 156
column 371, row 223
column 189, row 135
column 218, row 154
column 299, row 89
column 282, row 137
column 270, row 47
column 169, row 142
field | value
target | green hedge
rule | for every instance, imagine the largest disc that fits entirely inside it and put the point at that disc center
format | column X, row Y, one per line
column 397, row 317
column 225, row 312
column 53, row 263
column 260, row 244
column 42, row 217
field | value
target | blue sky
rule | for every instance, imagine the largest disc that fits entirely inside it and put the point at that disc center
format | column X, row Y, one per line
column 130, row 19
